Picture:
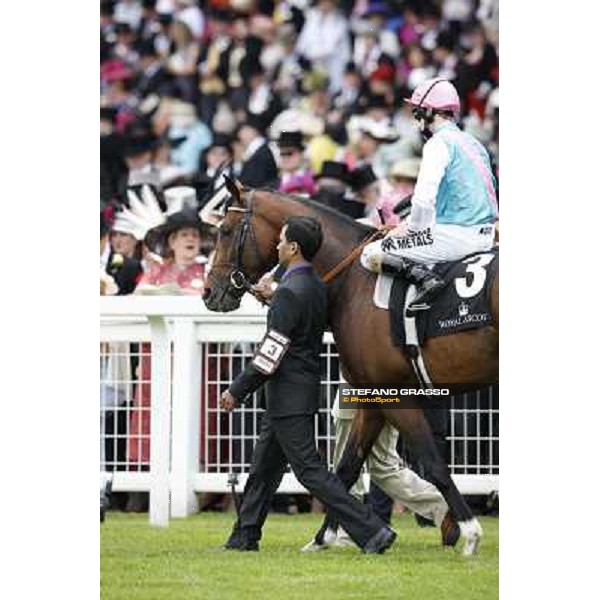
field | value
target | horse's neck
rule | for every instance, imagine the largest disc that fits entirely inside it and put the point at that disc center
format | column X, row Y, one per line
column 339, row 237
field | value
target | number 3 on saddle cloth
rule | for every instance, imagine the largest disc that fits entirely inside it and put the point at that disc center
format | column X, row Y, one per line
column 463, row 303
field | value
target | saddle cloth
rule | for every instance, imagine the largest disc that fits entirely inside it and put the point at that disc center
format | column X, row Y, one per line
column 463, row 303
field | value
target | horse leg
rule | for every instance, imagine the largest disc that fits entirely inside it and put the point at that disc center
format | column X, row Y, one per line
column 366, row 427
column 414, row 428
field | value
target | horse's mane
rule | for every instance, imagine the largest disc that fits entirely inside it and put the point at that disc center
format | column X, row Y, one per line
column 361, row 229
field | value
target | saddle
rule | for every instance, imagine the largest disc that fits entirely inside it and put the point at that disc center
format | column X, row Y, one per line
column 463, row 302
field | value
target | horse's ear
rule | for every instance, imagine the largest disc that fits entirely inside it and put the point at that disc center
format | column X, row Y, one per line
column 234, row 187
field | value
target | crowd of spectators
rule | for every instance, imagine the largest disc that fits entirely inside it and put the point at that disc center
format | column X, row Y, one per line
column 304, row 96
column 188, row 84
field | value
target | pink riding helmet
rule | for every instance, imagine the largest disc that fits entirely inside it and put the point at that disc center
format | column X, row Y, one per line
column 436, row 94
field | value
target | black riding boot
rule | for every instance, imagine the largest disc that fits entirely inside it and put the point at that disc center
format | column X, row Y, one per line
column 426, row 281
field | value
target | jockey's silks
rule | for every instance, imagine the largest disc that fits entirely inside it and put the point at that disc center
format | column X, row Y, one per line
column 466, row 195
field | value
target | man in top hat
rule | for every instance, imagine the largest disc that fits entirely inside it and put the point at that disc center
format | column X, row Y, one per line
column 348, row 98
column 218, row 155
column 139, row 154
column 243, row 50
column 258, row 163
column 263, row 101
column 149, row 26
column 295, row 177
column 367, row 189
column 154, row 78
column 332, row 187
column 113, row 170
column 125, row 41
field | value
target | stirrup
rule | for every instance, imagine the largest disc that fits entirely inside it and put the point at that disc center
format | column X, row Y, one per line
column 417, row 307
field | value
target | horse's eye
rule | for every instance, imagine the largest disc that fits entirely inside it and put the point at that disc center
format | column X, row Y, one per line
column 225, row 230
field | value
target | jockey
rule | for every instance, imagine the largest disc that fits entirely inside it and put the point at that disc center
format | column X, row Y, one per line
column 454, row 205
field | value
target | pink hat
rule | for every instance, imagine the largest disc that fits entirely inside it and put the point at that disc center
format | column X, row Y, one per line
column 436, row 94
column 384, row 72
column 114, row 70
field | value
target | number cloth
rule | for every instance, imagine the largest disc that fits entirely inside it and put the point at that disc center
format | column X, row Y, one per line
column 462, row 304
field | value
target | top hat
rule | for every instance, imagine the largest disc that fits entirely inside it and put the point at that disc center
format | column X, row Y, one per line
column 290, row 139
column 223, row 15
column 361, row 177
column 222, row 140
column 376, row 101
column 334, row 170
column 165, row 18
column 255, row 121
column 146, row 48
column 108, row 113
column 137, row 144
column 123, row 27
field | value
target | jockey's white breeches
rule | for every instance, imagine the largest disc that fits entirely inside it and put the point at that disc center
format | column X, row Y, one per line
column 440, row 243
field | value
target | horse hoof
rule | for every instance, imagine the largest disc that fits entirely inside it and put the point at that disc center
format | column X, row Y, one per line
column 342, row 540
column 470, row 536
column 312, row 546
column 329, row 539
column 450, row 531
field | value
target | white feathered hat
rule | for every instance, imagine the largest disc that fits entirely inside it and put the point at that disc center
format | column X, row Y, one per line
column 144, row 212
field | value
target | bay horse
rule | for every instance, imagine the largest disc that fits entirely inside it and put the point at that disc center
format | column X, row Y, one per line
column 246, row 249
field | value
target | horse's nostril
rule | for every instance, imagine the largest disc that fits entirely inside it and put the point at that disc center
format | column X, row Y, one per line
column 206, row 293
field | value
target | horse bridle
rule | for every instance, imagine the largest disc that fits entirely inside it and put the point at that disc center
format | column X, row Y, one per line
column 238, row 278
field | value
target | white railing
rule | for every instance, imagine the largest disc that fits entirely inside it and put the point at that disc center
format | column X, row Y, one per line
column 191, row 446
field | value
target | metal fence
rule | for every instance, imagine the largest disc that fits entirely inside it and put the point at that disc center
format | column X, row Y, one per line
column 200, row 445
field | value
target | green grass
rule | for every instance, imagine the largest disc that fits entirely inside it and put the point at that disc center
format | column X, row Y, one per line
column 185, row 561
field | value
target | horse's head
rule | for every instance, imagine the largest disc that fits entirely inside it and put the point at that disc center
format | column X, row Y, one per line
column 246, row 248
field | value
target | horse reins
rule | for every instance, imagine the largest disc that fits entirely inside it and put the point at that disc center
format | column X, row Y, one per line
column 335, row 271
column 239, row 279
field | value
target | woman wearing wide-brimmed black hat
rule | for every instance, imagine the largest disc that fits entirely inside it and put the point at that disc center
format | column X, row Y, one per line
column 182, row 272
column 179, row 242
